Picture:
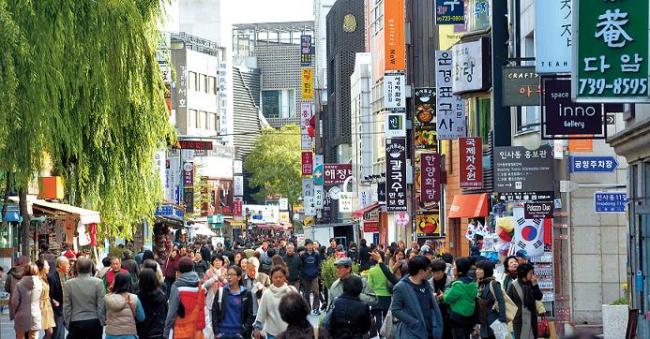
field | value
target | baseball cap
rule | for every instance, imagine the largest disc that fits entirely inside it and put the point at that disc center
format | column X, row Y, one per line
column 343, row 262
column 426, row 250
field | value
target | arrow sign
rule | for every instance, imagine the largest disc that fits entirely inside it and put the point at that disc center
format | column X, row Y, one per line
column 606, row 164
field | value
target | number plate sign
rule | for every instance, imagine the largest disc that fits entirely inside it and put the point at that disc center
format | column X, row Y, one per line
column 611, row 51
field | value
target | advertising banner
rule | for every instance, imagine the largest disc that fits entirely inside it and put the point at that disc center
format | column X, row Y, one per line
column 395, row 92
column 427, row 224
column 610, row 51
column 471, row 162
column 563, row 118
column 517, row 169
column 470, row 65
column 345, row 202
column 425, row 105
column 307, row 163
column 238, row 182
column 188, row 173
column 237, row 204
column 431, row 174
column 335, row 174
column 318, row 178
column 395, row 125
column 394, row 40
column 553, row 36
column 396, row 199
column 450, row 12
column 450, row 108
column 306, row 51
column 521, row 86
column 262, row 214
column 307, row 78
column 307, row 187
column 425, row 139
column 319, row 195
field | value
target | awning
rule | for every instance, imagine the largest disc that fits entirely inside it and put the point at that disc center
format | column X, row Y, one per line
column 85, row 216
column 469, row 206
column 203, row 229
column 360, row 212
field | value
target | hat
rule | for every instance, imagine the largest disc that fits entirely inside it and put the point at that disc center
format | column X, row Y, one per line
column 426, row 250
column 70, row 255
column 521, row 254
column 343, row 262
column 308, row 241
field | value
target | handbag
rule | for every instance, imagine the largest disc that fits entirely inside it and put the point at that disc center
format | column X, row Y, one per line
column 500, row 330
column 386, row 330
column 542, row 327
column 511, row 307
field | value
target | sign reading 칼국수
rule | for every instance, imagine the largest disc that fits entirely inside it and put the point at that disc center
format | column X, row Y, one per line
column 450, row 108
column 396, row 175
column 553, row 36
column 450, row 12
column 611, row 51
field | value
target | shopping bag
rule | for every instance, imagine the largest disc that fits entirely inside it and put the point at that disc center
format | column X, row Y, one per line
column 500, row 330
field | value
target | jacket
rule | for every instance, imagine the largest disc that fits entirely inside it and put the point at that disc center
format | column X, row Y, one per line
column 170, row 267
column 268, row 318
column 251, row 285
column 530, row 293
column 200, row 268
column 378, row 282
column 485, row 293
column 122, row 311
column 56, row 291
column 13, row 277
column 310, row 265
column 83, row 299
column 364, row 258
column 407, row 315
column 367, row 294
column 293, row 266
column 187, row 283
column 25, row 303
column 461, row 296
column 218, row 312
column 350, row 318
column 154, row 305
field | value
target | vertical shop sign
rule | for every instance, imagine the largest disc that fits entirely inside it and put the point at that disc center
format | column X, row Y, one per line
column 306, row 51
column 307, row 163
column 394, row 43
column 188, row 173
column 237, row 204
column 395, row 125
column 395, row 91
column 425, row 105
column 450, row 108
column 238, row 182
column 471, row 162
column 450, row 12
column 553, row 36
column 430, row 173
column 307, row 84
column 306, row 114
column 319, row 181
column 611, row 51
column 396, row 175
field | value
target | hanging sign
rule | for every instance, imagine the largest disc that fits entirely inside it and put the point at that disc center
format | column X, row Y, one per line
column 450, row 12
column 430, row 173
column 307, row 163
column 317, row 176
column 611, row 51
column 606, row 164
column 335, row 174
column 396, row 175
column 395, row 125
column 450, row 108
column 553, row 36
column 306, row 114
column 345, row 202
column 471, row 162
column 470, row 64
column 427, row 224
column 319, row 193
column 402, row 219
column 307, row 78
column 425, row 100
column 306, row 51
column 395, row 91
column 517, row 169
column 521, row 86
column 538, row 210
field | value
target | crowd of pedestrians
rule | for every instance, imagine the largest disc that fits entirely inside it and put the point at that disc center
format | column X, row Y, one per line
column 270, row 289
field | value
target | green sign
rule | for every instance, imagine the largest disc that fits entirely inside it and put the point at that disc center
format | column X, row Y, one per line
column 215, row 219
column 611, row 51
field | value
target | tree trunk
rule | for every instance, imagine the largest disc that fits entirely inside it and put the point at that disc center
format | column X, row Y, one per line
column 5, row 199
column 25, row 229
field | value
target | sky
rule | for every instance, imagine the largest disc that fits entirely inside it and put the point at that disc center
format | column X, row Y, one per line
column 249, row 11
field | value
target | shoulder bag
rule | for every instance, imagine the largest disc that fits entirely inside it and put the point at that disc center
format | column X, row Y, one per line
column 511, row 307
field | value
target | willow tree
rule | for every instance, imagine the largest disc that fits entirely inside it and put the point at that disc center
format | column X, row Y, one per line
column 92, row 98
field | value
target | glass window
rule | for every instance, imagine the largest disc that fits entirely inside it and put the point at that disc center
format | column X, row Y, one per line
column 271, row 104
column 204, row 83
column 197, row 123
column 191, row 117
column 212, row 81
column 479, row 117
column 528, row 119
column 193, row 82
column 211, row 121
column 204, row 120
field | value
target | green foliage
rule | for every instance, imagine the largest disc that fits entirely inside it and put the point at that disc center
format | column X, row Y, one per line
column 274, row 163
column 625, row 299
column 90, row 97
column 328, row 271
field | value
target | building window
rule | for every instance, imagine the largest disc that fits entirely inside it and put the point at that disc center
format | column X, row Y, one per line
column 197, row 120
column 193, row 81
column 204, row 83
column 528, row 119
column 479, row 117
column 203, row 120
column 212, row 82
column 191, row 117
column 279, row 103
column 212, row 121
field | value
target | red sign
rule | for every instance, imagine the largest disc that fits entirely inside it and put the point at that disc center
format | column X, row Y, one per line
column 307, row 163
column 335, row 174
column 237, row 207
column 430, row 172
column 471, row 163
column 196, row 144
column 371, row 226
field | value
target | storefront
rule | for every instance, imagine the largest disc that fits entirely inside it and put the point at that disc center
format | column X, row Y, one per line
column 369, row 222
column 465, row 209
column 169, row 218
column 9, row 235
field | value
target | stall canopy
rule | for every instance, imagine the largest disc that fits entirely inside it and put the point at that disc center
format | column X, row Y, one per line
column 85, row 216
column 469, row 206
column 360, row 212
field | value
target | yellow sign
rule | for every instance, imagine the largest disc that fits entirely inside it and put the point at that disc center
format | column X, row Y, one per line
column 427, row 224
column 309, row 221
column 447, row 36
column 307, row 84
column 284, row 217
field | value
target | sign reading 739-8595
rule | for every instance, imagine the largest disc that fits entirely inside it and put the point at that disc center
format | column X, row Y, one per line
column 611, row 51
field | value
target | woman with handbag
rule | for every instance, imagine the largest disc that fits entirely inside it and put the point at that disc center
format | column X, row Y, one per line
column 524, row 291
column 492, row 303
column 123, row 309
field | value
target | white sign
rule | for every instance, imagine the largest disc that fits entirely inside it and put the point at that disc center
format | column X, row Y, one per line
column 306, row 142
column 308, row 206
column 284, row 204
column 395, row 91
column 238, row 167
column 319, row 195
column 238, row 182
column 223, row 103
column 450, row 108
column 262, row 214
column 395, row 126
column 467, row 65
column 553, row 38
column 345, row 202
column 307, row 188
column 529, row 234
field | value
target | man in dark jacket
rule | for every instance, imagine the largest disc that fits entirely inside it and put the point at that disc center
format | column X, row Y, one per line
column 309, row 273
column 292, row 259
column 350, row 316
column 364, row 256
column 56, row 279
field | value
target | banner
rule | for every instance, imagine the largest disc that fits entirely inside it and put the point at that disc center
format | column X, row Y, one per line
column 395, row 91
column 335, row 174
column 395, row 125
column 306, row 51
column 396, row 199
column 307, row 78
column 450, row 108
column 427, row 225
column 307, row 163
column 553, row 36
column 471, row 162
column 306, row 114
column 394, row 42
column 450, row 12
column 529, row 234
column 425, row 106
column 431, row 174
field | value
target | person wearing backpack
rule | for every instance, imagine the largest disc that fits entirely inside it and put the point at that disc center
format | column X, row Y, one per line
column 461, row 298
column 232, row 308
column 186, row 312
column 490, row 297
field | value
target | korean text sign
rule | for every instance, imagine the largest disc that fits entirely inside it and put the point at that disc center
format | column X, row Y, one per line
column 306, row 51
column 553, row 36
column 335, row 174
column 470, row 65
column 396, row 199
column 521, row 86
column 471, row 162
column 611, row 51
column 450, row 12
column 450, row 108
column 430, row 172
column 394, row 41
column 307, row 78
column 518, row 169
column 395, row 91
column 307, row 163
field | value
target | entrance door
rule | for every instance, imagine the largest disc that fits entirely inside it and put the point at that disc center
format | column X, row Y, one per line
column 454, row 237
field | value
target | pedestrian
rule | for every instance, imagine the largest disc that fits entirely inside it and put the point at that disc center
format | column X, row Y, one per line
column 350, row 316
column 123, row 309
column 153, row 265
column 132, row 267
column 364, row 256
column 232, row 308
column 237, row 258
column 268, row 321
column 292, row 260
column 415, row 311
column 186, row 312
column 340, row 252
column 169, row 270
column 277, row 260
column 214, row 278
column 523, row 292
column 154, row 304
column 256, row 282
column 381, row 281
column 109, row 278
column 309, row 275
column 106, row 266
column 441, row 282
column 294, row 310
column 333, row 248
column 490, row 297
column 83, row 303
column 25, row 308
column 56, row 279
column 47, row 314
column 15, row 274
column 353, row 252
column 200, row 265
column 461, row 299
column 510, row 265
column 344, row 271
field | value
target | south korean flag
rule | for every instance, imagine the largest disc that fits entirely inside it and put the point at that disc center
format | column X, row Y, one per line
column 529, row 234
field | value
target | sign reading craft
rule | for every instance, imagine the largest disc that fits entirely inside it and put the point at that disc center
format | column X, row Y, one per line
column 611, row 52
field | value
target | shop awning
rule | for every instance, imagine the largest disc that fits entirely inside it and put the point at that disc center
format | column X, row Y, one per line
column 469, row 206
column 85, row 216
column 360, row 212
column 203, row 229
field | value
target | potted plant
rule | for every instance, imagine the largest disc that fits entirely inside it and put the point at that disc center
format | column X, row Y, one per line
column 615, row 316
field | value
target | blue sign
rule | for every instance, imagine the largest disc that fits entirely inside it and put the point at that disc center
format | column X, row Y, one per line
column 592, row 164
column 170, row 211
column 450, row 12
column 610, row 202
